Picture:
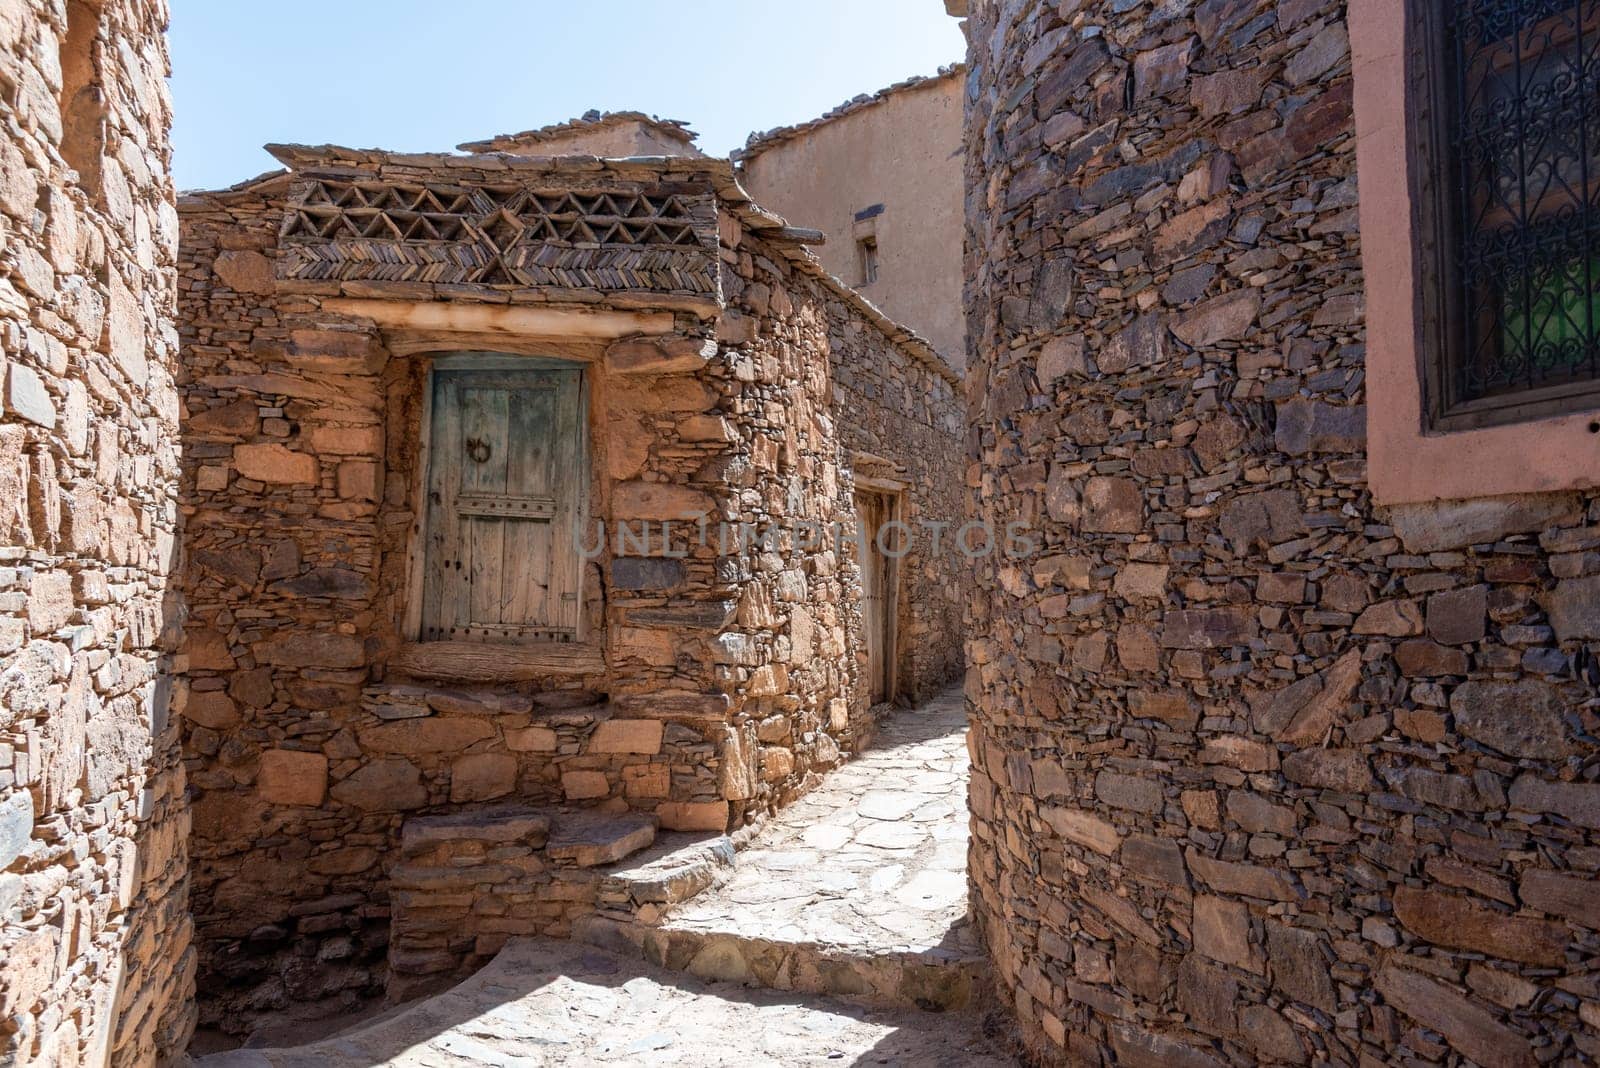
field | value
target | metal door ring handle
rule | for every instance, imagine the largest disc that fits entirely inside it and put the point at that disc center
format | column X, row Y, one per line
column 478, row 450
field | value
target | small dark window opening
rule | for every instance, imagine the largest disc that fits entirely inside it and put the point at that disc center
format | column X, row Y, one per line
column 867, row 256
column 83, row 104
column 1509, row 124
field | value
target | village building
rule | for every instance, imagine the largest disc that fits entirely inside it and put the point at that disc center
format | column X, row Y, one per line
column 520, row 503
column 409, row 553
column 1284, row 741
column 881, row 176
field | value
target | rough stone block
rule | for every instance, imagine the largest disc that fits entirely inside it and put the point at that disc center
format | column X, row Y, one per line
column 1132, row 792
column 1306, row 426
column 1578, row 802
column 589, row 840
column 1300, row 966
column 1113, row 505
column 50, row 603
column 1525, row 719
column 531, row 740
column 1212, row 628
column 584, row 785
column 244, row 271
column 1574, row 607
column 646, row 573
column 297, row 648
column 1222, row 932
column 1084, row 828
column 1467, row 1027
column 292, row 777
column 1344, row 770
column 482, row 777
column 693, row 815
column 27, row 397
column 16, row 825
column 275, row 464
column 358, row 481
column 1456, row 617
column 433, row 735
column 1572, row 897
column 665, row 355
column 642, row 736
column 1439, row 526
column 1447, row 920
column 1225, row 318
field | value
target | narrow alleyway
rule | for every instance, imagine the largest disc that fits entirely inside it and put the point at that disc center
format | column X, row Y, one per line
column 858, row 890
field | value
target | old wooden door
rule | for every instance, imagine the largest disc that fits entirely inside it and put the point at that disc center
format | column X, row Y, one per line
column 505, row 483
column 877, row 610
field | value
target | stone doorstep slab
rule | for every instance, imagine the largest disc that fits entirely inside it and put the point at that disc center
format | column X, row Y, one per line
column 411, row 700
column 675, row 869
column 501, row 825
column 937, row 980
column 590, row 839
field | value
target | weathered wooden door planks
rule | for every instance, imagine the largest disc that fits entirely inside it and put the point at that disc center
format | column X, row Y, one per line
column 872, row 511
column 504, row 487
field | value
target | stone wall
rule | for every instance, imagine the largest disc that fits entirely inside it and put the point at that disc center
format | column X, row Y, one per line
column 1263, row 773
column 889, row 404
column 827, row 382
column 709, row 686
column 93, row 878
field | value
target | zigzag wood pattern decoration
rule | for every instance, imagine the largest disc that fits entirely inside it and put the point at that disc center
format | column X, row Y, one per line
column 493, row 235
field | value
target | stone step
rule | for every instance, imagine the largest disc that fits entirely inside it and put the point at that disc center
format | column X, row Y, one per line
column 590, row 839
column 468, row 880
column 675, row 869
column 943, row 978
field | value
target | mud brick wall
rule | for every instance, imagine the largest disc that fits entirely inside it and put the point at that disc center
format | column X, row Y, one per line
column 93, row 876
column 725, row 677
column 1263, row 773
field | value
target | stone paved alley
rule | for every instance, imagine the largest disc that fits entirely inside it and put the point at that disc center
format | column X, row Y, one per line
column 858, row 890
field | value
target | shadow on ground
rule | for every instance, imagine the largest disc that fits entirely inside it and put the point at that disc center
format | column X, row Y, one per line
column 551, row 1002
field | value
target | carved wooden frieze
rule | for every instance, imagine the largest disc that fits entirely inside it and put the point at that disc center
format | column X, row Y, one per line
column 652, row 239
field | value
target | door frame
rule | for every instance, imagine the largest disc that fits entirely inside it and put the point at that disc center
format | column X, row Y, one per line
column 416, row 548
column 892, row 493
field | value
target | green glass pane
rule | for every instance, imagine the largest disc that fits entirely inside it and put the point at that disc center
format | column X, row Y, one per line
column 1560, row 320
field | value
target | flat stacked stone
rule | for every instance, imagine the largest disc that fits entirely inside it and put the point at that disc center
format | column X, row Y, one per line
column 94, row 869
column 1263, row 773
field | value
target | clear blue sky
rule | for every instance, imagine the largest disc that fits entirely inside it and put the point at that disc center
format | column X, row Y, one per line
column 405, row 74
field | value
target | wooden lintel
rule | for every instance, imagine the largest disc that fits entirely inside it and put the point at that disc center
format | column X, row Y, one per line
column 795, row 235
column 442, row 317
column 497, row 662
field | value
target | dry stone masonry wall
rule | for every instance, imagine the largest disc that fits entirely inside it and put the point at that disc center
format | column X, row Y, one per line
column 709, row 685
column 1263, row 773
column 94, row 930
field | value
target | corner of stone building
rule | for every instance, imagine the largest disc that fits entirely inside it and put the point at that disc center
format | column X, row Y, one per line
column 94, row 925
column 1262, row 771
